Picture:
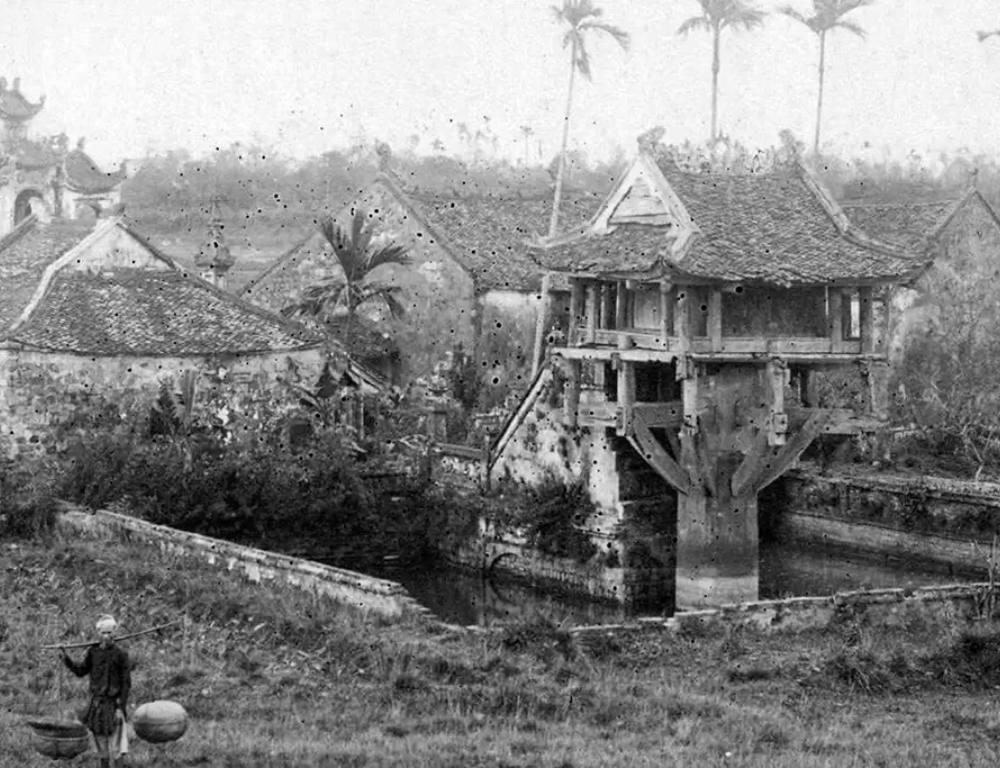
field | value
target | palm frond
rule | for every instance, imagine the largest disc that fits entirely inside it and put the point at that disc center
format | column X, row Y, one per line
column 387, row 294
column 787, row 10
column 851, row 26
column 693, row 24
column 582, row 61
column 745, row 18
column 387, row 254
column 986, row 35
column 619, row 35
column 396, row 308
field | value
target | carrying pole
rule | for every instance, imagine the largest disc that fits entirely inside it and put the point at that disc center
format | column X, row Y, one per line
column 123, row 637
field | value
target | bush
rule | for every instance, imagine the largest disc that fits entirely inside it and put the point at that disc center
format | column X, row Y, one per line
column 28, row 494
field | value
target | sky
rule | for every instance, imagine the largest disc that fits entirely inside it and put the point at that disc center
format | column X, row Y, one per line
column 306, row 76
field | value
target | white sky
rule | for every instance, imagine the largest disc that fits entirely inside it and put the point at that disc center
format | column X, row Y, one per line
column 305, row 76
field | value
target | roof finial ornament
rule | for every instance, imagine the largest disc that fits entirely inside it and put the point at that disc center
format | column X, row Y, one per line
column 650, row 140
column 974, row 178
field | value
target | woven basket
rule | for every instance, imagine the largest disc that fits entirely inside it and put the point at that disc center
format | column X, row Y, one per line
column 59, row 739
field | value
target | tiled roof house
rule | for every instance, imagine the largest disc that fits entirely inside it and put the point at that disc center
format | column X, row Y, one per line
column 961, row 235
column 470, row 280
column 95, row 312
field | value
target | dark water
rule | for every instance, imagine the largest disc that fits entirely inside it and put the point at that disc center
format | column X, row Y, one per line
column 463, row 597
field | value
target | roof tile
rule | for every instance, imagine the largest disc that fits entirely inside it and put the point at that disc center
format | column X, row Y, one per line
column 137, row 312
column 767, row 228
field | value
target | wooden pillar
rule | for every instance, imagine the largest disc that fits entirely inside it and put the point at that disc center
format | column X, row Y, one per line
column 665, row 314
column 591, row 311
column 835, row 319
column 540, row 325
column 808, row 389
column 626, row 393
column 682, row 329
column 867, row 321
column 571, row 400
column 777, row 376
column 575, row 311
column 621, row 306
column 715, row 319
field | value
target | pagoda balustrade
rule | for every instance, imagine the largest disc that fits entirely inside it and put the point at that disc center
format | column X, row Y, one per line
column 642, row 321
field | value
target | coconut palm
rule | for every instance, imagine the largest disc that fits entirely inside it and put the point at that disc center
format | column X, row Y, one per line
column 582, row 18
column 827, row 16
column 358, row 256
column 717, row 15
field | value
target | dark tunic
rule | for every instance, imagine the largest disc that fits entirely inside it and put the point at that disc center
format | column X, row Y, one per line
column 110, row 683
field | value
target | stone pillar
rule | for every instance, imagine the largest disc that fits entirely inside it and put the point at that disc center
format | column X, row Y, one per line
column 717, row 545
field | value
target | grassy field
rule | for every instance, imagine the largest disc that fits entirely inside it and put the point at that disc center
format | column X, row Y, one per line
column 277, row 678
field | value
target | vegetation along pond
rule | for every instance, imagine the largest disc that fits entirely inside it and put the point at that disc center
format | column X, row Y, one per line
column 464, row 597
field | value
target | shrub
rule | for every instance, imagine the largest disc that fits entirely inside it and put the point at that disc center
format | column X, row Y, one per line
column 28, row 493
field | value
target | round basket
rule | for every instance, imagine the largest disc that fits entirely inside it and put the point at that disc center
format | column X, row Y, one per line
column 59, row 739
column 160, row 721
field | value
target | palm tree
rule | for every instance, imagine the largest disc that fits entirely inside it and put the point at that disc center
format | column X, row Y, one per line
column 582, row 17
column 715, row 16
column 358, row 256
column 828, row 15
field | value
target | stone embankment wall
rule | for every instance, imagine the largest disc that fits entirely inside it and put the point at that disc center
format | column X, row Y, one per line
column 357, row 589
column 952, row 522
column 944, row 605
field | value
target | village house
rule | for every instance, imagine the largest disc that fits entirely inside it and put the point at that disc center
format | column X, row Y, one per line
column 469, row 283
column 45, row 177
column 91, row 315
column 706, row 309
column 961, row 235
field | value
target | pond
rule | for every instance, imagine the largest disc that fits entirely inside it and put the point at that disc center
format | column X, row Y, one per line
column 464, row 597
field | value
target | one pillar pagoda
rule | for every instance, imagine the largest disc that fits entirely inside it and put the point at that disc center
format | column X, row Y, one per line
column 705, row 307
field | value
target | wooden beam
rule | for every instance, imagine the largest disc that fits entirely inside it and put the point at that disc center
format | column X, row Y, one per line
column 867, row 320
column 835, row 317
column 661, row 415
column 650, row 449
column 752, row 463
column 788, row 454
column 715, row 319
column 634, row 354
column 840, row 421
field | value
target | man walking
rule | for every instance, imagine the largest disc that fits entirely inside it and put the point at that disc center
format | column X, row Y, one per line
column 110, row 682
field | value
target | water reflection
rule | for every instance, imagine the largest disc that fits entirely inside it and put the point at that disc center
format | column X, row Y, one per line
column 463, row 597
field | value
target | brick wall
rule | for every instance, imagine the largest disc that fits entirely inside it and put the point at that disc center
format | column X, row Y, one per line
column 40, row 390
